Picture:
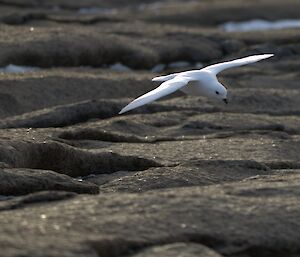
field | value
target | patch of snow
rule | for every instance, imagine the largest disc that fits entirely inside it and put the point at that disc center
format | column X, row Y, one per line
column 180, row 64
column 119, row 67
column 158, row 68
column 97, row 10
column 5, row 197
column 11, row 68
column 199, row 65
column 56, row 8
column 256, row 25
column 153, row 6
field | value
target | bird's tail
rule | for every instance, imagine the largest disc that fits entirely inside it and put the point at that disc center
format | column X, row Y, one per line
column 165, row 78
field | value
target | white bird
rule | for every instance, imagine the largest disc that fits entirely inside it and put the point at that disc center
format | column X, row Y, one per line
column 195, row 82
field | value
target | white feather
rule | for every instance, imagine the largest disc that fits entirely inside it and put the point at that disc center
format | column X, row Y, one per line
column 164, row 89
column 216, row 68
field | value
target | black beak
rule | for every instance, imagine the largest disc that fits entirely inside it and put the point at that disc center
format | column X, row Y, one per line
column 225, row 100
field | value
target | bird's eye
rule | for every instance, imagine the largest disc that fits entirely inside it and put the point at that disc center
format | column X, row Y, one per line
column 217, row 92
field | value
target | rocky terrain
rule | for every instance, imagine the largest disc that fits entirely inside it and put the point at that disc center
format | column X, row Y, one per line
column 182, row 176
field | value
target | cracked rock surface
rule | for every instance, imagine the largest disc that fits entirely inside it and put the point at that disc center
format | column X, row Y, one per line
column 182, row 176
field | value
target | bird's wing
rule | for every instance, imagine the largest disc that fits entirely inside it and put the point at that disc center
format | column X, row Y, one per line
column 165, row 78
column 216, row 68
column 164, row 89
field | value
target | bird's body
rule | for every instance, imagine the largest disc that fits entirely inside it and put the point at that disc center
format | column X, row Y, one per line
column 201, row 86
column 202, row 82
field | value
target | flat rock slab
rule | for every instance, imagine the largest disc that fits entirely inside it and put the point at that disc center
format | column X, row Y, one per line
column 241, row 218
column 192, row 173
column 260, row 147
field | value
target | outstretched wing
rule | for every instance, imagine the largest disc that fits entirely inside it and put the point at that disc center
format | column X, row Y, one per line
column 165, row 78
column 164, row 89
column 216, row 68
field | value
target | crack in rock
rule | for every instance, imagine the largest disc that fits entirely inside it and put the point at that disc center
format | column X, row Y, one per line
column 109, row 136
column 71, row 161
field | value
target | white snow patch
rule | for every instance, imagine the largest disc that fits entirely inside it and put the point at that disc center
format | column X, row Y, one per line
column 199, row 65
column 255, row 25
column 11, row 68
column 158, row 68
column 96, row 10
column 153, row 6
column 56, row 8
column 179, row 64
column 176, row 65
column 119, row 67
column 5, row 197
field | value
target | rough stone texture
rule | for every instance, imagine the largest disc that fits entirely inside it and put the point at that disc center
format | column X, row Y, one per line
column 10, row 203
column 188, row 174
column 50, row 47
column 66, row 159
column 183, row 176
column 253, row 218
column 24, row 181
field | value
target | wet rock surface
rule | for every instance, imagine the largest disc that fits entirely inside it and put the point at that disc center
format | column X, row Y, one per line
column 183, row 176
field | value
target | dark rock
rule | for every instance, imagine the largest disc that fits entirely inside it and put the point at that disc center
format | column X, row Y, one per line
column 104, row 135
column 60, row 116
column 40, row 48
column 220, row 217
column 74, row 162
column 193, row 173
column 66, row 92
column 25, row 181
column 35, row 198
column 232, row 46
column 204, row 13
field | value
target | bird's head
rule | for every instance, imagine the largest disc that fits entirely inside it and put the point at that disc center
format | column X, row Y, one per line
column 219, row 92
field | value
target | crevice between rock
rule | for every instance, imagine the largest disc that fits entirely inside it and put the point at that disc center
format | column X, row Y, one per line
column 62, row 158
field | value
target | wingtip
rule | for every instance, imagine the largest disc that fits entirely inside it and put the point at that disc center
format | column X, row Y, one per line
column 125, row 109
column 263, row 56
column 122, row 111
column 269, row 55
